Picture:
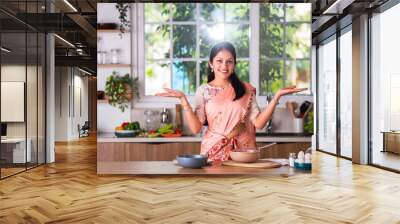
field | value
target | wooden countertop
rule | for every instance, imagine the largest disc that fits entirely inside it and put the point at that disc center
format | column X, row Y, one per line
column 169, row 168
column 110, row 137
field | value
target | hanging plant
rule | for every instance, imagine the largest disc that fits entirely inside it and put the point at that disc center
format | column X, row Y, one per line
column 119, row 90
column 124, row 24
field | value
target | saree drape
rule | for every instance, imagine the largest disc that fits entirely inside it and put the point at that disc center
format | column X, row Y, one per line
column 225, row 117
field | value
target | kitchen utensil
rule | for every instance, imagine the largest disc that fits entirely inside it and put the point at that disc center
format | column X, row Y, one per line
column 248, row 155
column 245, row 155
column 257, row 164
column 178, row 116
column 266, row 146
column 165, row 117
column 298, row 125
column 191, row 161
column 308, row 110
column 304, row 107
column 296, row 109
column 290, row 108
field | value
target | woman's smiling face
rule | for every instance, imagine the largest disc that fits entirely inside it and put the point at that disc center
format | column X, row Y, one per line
column 223, row 64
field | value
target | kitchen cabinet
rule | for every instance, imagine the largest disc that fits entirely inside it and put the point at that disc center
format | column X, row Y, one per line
column 165, row 149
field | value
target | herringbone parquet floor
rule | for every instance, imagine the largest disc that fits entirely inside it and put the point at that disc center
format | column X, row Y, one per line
column 69, row 191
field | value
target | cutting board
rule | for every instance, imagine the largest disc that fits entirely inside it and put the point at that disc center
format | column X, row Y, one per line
column 258, row 164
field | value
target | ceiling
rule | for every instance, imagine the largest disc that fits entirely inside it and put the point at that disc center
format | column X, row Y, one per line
column 75, row 21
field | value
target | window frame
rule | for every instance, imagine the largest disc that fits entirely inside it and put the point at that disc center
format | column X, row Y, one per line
column 139, row 60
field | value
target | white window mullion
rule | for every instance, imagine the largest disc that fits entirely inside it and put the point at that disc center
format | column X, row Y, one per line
column 254, row 59
column 141, row 63
column 197, row 45
column 171, row 52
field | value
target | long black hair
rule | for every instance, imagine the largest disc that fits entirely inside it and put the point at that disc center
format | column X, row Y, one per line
column 237, row 85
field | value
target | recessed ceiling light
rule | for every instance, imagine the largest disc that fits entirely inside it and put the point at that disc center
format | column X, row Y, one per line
column 5, row 50
column 70, row 5
column 84, row 71
column 64, row 40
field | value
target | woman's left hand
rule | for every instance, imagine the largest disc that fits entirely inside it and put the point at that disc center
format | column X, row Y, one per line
column 289, row 90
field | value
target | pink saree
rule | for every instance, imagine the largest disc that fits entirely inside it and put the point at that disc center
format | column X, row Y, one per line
column 223, row 115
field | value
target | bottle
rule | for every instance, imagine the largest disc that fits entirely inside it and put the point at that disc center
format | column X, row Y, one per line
column 292, row 158
column 165, row 117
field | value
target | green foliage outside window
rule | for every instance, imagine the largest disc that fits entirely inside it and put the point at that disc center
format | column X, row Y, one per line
column 284, row 47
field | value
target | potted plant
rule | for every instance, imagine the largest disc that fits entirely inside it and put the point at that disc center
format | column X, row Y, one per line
column 120, row 89
column 123, row 17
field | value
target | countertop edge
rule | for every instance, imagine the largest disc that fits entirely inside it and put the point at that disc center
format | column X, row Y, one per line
column 198, row 139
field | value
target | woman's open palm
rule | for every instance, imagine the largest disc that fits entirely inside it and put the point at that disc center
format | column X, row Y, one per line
column 171, row 93
column 290, row 90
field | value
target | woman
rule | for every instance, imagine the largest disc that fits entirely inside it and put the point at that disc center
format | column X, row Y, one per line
column 228, row 105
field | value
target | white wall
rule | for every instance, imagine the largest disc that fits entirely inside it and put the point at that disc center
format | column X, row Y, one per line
column 108, row 117
column 69, row 85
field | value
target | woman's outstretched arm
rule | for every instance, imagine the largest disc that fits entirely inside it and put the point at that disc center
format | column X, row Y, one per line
column 265, row 115
column 194, row 123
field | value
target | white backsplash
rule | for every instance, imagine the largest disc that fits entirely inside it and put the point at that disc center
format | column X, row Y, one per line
column 282, row 120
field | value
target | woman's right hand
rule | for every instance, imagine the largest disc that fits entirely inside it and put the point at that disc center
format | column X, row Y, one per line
column 172, row 93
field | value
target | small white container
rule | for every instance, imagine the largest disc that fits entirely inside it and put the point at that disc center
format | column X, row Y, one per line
column 292, row 158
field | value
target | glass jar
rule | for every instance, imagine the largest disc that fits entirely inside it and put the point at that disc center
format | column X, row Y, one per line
column 151, row 122
column 99, row 57
column 114, row 56
column 103, row 57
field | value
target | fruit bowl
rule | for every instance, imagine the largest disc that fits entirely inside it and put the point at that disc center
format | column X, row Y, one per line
column 126, row 133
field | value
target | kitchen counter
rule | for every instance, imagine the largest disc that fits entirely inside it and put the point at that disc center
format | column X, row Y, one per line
column 114, row 154
column 169, row 168
column 260, row 137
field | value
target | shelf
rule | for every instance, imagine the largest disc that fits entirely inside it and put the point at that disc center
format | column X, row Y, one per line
column 112, row 31
column 113, row 65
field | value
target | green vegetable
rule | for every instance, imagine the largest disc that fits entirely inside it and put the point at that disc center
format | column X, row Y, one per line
column 153, row 135
column 132, row 126
column 166, row 129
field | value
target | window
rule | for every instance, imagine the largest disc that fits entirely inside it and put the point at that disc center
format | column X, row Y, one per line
column 327, row 96
column 346, row 93
column 177, row 38
column 285, row 46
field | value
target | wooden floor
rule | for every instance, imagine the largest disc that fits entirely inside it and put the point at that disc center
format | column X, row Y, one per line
column 386, row 159
column 69, row 191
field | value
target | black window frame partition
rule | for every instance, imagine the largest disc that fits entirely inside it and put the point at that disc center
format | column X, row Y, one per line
column 41, row 61
column 339, row 30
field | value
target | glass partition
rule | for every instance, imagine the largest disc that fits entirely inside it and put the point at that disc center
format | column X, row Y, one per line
column 13, row 92
column 346, row 93
column 22, row 91
column 31, row 97
column 385, row 89
column 327, row 96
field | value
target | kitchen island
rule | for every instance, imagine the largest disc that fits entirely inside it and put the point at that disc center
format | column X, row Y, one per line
column 169, row 168
column 115, row 153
